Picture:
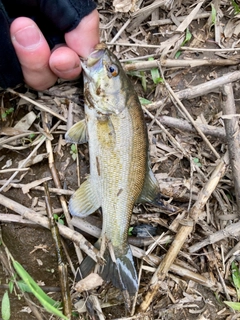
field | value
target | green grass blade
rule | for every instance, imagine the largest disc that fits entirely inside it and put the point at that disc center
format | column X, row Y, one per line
column 144, row 101
column 213, row 15
column 236, row 278
column 234, row 305
column 155, row 74
column 6, row 313
column 49, row 304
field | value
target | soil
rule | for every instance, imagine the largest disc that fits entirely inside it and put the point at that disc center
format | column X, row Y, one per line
column 179, row 297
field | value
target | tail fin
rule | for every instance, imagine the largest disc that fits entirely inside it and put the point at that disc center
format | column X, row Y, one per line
column 121, row 273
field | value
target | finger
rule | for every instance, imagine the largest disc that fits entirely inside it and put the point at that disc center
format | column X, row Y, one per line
column 33, row 53
column 85, row 36
column 65, row 63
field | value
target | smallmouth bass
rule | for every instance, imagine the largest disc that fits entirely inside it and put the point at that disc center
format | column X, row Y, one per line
column 120, row 175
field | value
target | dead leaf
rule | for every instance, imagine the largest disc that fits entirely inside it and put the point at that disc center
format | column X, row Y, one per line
column 92, row 281
column 124, row 5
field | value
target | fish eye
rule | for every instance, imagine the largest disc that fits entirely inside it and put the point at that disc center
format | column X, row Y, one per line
column 113, row 70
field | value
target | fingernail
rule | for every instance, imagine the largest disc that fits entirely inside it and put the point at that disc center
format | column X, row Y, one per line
column 62, row 69
column 28, row 37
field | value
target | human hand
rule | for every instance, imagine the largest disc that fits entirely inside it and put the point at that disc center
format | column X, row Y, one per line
column 40, row 66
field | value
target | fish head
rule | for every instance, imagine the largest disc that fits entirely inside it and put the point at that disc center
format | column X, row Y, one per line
column 105, row 82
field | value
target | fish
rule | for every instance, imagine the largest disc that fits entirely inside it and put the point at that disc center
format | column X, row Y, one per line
column 120, row 172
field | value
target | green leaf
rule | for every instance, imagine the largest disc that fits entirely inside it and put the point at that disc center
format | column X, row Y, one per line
column 61, row 221
column 155, row 74
column 141, row 75
column 188, row 37
column 48, row 303
column 213, row 15
column 177, row 55
column 31, row 136
column 236, row 278
column 73, row 148
column 197, row 162
column 130, row 231
column 24, row 287
column 6, row 313
column 143, row 80
column 10, row 286
column 233, row 305
column 144, row 101
column 236, row 7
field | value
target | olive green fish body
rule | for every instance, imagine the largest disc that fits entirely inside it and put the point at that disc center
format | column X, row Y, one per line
column 118, row 149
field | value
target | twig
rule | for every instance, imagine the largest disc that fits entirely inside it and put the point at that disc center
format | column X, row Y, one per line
column 62, row 267
column 182, row 234
column 126, row 44
column 37, row 104
column 25, row 161
column 143, row 13
column 233, row 138
column 120, row 31
column 210, row 50
column 199, row 90
column 163, row 22
column 66, row 232
column 183, row 125
column 57, row 183
column 185, row 23
column 189, row 117
column 53, row 190
column 171, row 63
column 22, row 164
column 231, row 231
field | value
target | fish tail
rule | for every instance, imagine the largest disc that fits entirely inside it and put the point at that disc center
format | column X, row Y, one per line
column 121, row 272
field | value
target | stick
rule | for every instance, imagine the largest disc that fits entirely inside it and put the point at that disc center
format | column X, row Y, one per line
column 231, row 231
column 189, row 117
column 182, row 234
column 62, row 267
column 53, row 190
column 183, row 125
column 171, row 63
column 163, row 22
column 57, row 183
column 66, row 232
column 199, row 90
column 42, row 107
column 233, row 138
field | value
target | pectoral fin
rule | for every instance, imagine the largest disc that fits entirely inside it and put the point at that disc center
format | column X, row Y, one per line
column 150, row 189
column 77, row 133
column 84, row 201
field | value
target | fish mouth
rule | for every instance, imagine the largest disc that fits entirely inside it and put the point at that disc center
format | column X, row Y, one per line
column 94, row 56
column 93, row 63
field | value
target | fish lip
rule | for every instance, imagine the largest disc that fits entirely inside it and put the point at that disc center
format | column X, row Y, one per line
column 92, row 61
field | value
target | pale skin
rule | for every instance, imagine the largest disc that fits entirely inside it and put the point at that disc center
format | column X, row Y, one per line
column 41, row 67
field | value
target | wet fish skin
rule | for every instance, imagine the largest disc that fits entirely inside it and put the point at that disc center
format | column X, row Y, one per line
column 120, row 175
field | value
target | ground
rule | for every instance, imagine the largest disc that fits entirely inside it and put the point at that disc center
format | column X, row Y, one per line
column 196, row 177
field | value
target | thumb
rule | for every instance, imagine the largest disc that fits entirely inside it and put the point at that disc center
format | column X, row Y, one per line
column 33, row 53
